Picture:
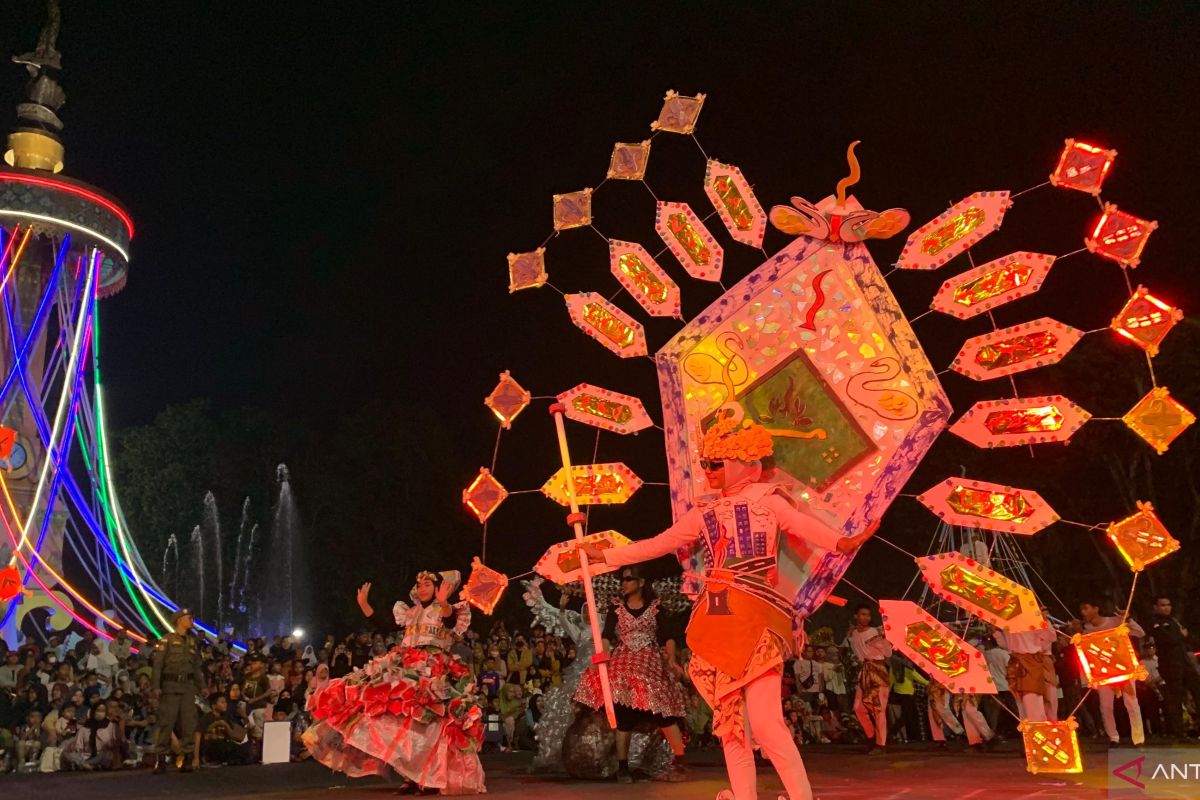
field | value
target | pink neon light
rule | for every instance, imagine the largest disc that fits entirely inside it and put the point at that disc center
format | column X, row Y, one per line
column 75, row 190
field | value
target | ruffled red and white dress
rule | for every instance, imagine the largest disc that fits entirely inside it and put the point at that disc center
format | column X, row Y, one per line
column 413, row 709
column 644, row 690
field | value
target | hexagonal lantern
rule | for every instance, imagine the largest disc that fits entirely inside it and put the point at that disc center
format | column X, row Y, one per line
column 982, row 591
column 735, row 203
column 603, row 408
column 607, row 324
column 956, row 229
column 936, row 649
column 641, row 276
column 813, row 346
column 595, row 484
column 1016, row 348
column 992, row 284
column 560, row 563
column 1020, row 421
column 690, row 241
column 978, row 504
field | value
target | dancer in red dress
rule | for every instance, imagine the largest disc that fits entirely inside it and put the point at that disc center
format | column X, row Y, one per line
column 413, row 709
column 643, row 671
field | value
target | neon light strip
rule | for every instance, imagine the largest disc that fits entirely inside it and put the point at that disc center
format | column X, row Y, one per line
column 17, row 258
column 73, row 226
column 78, row 191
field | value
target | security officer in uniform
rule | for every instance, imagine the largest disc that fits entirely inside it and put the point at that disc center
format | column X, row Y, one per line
column 178, row 678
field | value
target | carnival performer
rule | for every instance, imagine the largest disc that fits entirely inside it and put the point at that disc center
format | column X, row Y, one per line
column 412, row 709
column 643, row 671
column 871, row 693
column 979, row 735
column 1030, row 673
column 940, row 716
column 1094, row 621
column 741, row 631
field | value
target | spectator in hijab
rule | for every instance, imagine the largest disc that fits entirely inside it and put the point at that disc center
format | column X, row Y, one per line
column 96, row 742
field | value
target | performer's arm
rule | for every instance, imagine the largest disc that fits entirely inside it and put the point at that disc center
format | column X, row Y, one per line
column 682, row 533
column 1135, row 630
column 802, row 525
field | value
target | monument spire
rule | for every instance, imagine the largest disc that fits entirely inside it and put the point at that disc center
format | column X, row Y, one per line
column 36, row 142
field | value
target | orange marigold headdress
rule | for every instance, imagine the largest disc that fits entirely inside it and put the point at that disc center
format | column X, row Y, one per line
column 739, row 441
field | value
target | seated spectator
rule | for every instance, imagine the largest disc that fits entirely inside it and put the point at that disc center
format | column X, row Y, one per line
column 96, row 744
column 31, row 738
column 221, row 738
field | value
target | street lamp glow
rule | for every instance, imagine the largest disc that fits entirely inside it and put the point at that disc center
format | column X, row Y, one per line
column 298, row 633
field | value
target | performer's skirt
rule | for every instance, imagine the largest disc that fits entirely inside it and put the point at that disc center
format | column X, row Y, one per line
column 411, row 710
column 1030, row 673
column 644, row 692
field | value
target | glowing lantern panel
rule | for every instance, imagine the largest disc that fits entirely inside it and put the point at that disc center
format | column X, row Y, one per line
column 1015, row 349
column 1119, row 236
column 1108, row 657
column 484, row 588
column 10, row 583
column 935, row 648
column 1051, row 746
column 988, row 505
column 1142, row 539
column 954, row 231
column 601, row 408
column 8, row 440
column 507, row 400
column 1159, row 419
column 689, row 241
column 1145, row 320
column 484, row 495
column 628, row 162
column 561, row 562
column 607, row 324
column 1082, row 167
column 595, row 484
column 572, row 210
column 735, row 203
column 527, row 270
column 993, row 284
column 643, row 278
column 1020, row 421
column 679, row 113
column 981, row 591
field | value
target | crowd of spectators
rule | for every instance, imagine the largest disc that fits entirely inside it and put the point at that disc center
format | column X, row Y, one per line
column 80, row 702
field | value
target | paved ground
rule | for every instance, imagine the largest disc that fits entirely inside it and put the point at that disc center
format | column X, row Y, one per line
column 837, row 773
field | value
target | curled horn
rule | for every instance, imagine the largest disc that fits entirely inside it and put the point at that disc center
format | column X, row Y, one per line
column 851, row 179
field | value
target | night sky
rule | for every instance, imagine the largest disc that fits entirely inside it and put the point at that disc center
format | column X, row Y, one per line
column 325, row 194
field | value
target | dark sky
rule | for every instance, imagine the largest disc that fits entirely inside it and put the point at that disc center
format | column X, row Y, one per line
column 325, row 193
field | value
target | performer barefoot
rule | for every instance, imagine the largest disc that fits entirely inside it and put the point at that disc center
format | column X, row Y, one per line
column 412, row 709
column 741, row 630
column 871, row 695
column 643, row 672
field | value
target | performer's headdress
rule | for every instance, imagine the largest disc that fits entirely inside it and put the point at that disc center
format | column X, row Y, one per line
column 729, row 438
column 438, row 578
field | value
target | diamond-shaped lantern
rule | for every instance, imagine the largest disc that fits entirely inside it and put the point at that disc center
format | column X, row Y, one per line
column 607, row 324
column 816, row 349
column 935, row 648
column 1159, row 418
column 526, row 270
column 484, row 588
column 629, row 160
column 1051, row 746
column 689, row 241
column 1020, row 421
column 561, row 562
column 1120, row 236
column 1108, row 657
column 507, row 400
column 992, row 284
column 1142, row 539
column 679, row 113
column 595, row 484
column 735, row 203
column 484, row 495
column 978, row 504
column 954, row 230
column 982, row 591
column 1145, row 320
column 1083, row 167
column 573, row 210
column 602, row 408
column 641, row 276
column 1015, row 349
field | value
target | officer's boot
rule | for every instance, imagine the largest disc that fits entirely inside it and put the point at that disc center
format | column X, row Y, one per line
column 160, row 764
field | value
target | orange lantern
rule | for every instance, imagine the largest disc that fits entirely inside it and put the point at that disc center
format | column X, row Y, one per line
column 507, row 400
column 595, row 484
column 1108, row 657
column 1159, row 418
column 1141, row 539
column 484, row 495
column 1051, row 746
column 485, row 587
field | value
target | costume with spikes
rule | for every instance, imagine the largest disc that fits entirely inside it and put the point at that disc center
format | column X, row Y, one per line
column 413, row 709
column 741, row 629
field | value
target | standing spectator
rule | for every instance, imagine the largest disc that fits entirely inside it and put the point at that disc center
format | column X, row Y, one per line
column 997, row 659
column 520, row 659
column 256, row 694
column 121, row 646
column 512, row 706
column 810, row 675
column 1094, row 621
column 833, row 675
column 1174, row 664
column 1149, row 691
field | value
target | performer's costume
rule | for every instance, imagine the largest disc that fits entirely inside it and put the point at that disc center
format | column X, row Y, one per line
column 1030, row 673
column 1126, row 689
column 741, row 630
column 412, row 709
column 974, row 724
column 940, row 715
column 874, row 682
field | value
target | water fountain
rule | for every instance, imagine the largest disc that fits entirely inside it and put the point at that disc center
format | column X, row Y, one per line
column 210, row 523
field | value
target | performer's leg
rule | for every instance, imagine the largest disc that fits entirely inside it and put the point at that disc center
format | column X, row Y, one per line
column 674, row 738
column 976, row 726
column 771, row 732
column 935, row 726
column 1134, row 709
column 1051, row 695
column 863, row 714
column 1105, row 695
column 1034, row 706
column 739, row 763
column 623, row 738
column 881, row 729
